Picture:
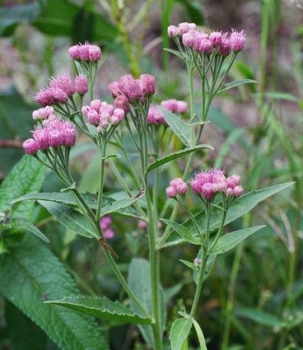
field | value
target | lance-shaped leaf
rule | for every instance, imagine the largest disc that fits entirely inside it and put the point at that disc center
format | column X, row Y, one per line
column 236, row 83
column 179, row 332
column 230, row 240
column 70, row 218
column 183, row 232
column 261, row 317
column 181, row 129
column 103, row 308
column 29, row 274
column 176, row 155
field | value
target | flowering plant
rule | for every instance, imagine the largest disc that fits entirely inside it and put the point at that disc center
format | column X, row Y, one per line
column 69, row 108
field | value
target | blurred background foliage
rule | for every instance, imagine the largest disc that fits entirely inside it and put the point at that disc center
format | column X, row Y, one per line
column 254, row 298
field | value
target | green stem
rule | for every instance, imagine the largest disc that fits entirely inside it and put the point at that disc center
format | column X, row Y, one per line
column 102, row 147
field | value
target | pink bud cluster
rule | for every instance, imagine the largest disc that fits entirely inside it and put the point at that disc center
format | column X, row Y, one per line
column 102, row 114
column 211, row 182
column 155, row 115
column 85, row 52
column 61, row 89
column 133, row 89
column 201, row 42
column 176, row 186
column 53, row 132
column 105, row 223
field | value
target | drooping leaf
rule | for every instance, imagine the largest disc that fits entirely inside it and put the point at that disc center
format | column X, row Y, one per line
column 176, row 155
column 70, row 218
column 27, row 176
column 181, row 129
column 103, row 308
column 232, row 239
column 29, row 274
column 179, row 332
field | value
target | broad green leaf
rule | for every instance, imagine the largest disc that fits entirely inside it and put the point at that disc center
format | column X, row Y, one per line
column 70, row 218
column 101, row 307
column 181, row 129
column 179, row 332
column 29, row 274
column 258, row 316
column 236, row 83
column 183, row 231
column 176, row 155
column 21, row 225
column 27, row 176
column 230, row 240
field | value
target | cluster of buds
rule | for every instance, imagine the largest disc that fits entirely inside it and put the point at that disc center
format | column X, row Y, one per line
column 176, row 186
column 53, row 132
column 105, row 223
column 209, row 183
column 132, row 89
column 61, row 89
column 85, row 52
column 155, row 115
column 201, row 42
column 102, row 114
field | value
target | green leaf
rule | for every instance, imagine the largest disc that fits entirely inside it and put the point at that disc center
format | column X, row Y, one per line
column 183, row 231
column 176, row 155
column 181, row 129
column 179, row 332
column 175, row 52
column 188, row 264
column 31, row 273
column 27, row 176
column 200, row 335
column 101, row 307
column 70, row 218
column 120, row 204
column 21, row 225
column 258, row 316
column 230, row 240
column 236, row 83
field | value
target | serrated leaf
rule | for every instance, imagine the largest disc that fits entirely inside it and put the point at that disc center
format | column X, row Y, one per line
column 70, row 218
column 176, row 155
column 179, row 332
column 101, row 307
column 232, row 239
column 183, row 232
column 181, row 129
column 27, row 176
column 236, row 83
column 31, row 273
column 21, row 225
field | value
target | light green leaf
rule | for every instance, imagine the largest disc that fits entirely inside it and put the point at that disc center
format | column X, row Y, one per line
column 230, row 240
column 183, row 231
column 181, row 129
column 26, row 176
column 120, row 204
column 101, row 307
column 176, row 155
column 200, row 335
column 179, row 332
column 175, row 52
column 236, row 83
column 70, row 218
column 31, row 273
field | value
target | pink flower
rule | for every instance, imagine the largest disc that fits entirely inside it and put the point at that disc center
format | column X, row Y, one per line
column 85, row 52
column 147, row 84
column 176, row 186
column 94, row 53
column 173, row 31
column 45, row 97
column 216, row 38
column 122, row 103
column 225, row 46
column 43, row 113
column 171, row 192
column 155, row 116
column 74, row 52
column 237, row 40
column 30, row 146
column 81, row 84
column 63, row 82
column 105, row 223
column 130, row 87
column 205, row 46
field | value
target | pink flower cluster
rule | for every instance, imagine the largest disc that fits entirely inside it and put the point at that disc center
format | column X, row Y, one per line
column 176, row 186
column 155, row 115
column 209, row 183
column 53, row 132
column 102, row 114
column 61, row 89
column 133, row 89
column 85, row 52
column 201, row 42
column 105, row 223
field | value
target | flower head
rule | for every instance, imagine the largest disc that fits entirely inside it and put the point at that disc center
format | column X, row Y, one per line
column 237, row 40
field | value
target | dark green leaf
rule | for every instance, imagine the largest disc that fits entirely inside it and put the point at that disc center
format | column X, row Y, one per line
column 31, row 273
column 176, row 155
column 102, row 308
column 21, row 225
